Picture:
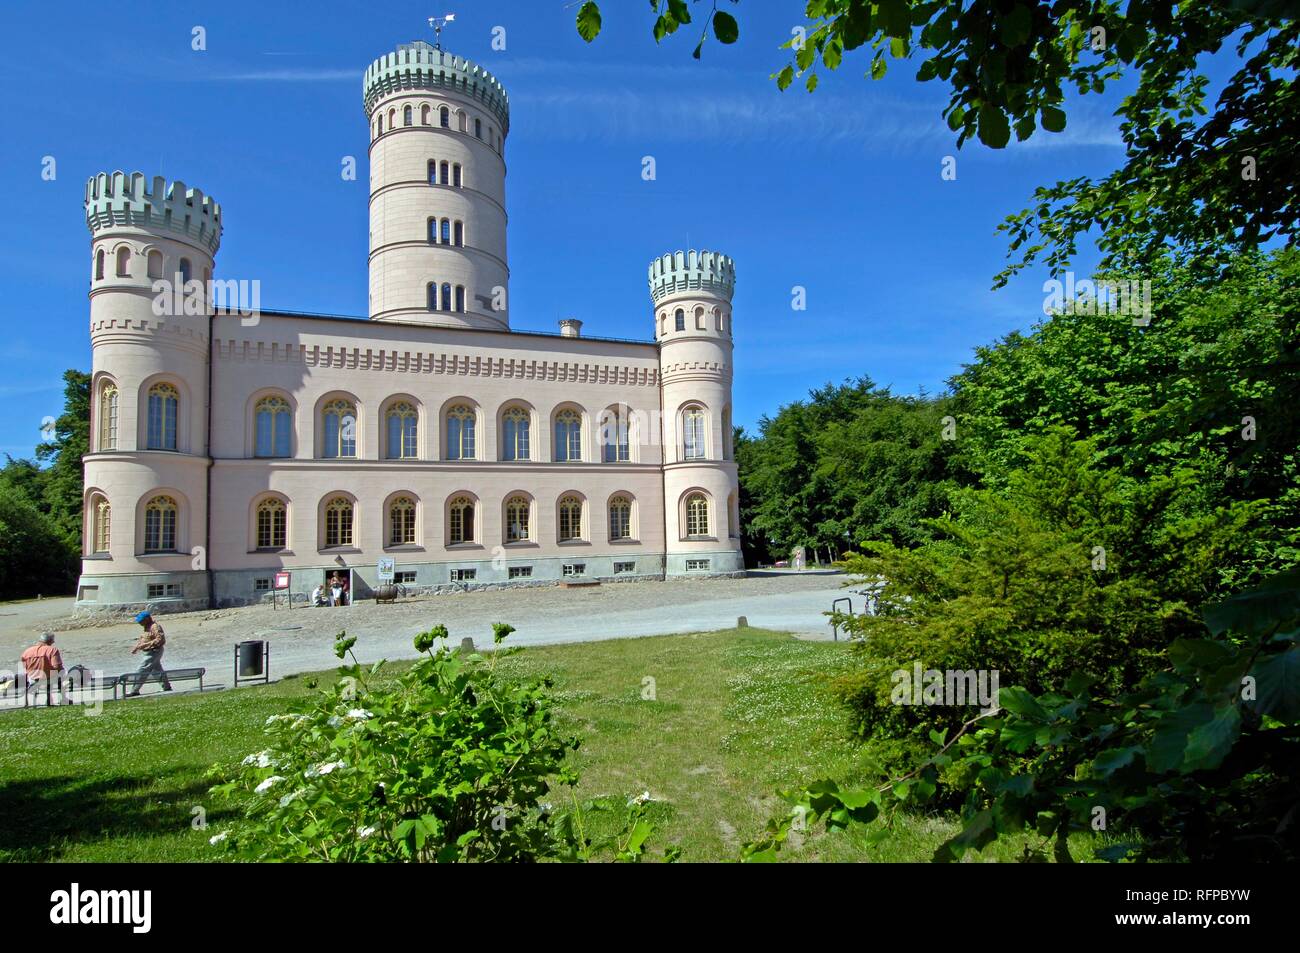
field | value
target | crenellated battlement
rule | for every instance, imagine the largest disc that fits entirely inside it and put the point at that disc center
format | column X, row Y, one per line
column 114, row 200
column 419, row 65
column 690, row 270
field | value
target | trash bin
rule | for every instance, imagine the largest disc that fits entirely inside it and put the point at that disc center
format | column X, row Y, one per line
column 252, row 658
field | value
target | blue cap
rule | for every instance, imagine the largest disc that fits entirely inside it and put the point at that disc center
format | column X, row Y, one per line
column 142, row 616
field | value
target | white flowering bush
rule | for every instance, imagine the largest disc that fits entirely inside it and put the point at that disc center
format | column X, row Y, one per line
column 449, row 764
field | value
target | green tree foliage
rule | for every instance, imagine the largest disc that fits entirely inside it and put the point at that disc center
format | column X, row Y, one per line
column 41, row 503
column 852, row 463
column 1196, row 174
column 1211, row 387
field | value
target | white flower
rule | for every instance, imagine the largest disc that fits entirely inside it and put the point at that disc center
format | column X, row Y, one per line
column 360, row 713
column 316, row 770
column 334, row 721
column 262, row 759
column 218, row 838
column 290, row 798
column 364, row 832
column 642, row 798
column 272, row 719
column 267, row 784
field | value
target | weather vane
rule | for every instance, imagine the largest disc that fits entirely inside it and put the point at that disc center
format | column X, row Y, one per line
column 438, row 23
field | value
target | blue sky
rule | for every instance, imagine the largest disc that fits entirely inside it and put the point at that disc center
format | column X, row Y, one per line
column 839, row 192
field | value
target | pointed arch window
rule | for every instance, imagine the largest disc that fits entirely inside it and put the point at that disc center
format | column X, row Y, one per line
column 460, row 433
column 693, row 433
column 108, row 417
column 272, row 524
column 274, row 431
column 102, row 526
column 164, row 405
column 620, row 518
column 460, row 521
column 339, row 426
column 570, row 519
column 401, row 522
column 403, row 423
column 517, row 512
column 568, row 437
column 515, row 426
column 160, row 525
column 338, row 522
column 697, row 515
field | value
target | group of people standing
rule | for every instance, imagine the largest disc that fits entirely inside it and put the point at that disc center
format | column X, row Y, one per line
column 43, row 663
column 337, row 593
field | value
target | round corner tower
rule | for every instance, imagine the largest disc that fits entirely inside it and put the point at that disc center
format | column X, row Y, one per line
column 153, row 248
column 692, row 297
column 438, row 125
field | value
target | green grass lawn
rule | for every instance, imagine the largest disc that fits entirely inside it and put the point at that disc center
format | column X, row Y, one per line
column 736, row 715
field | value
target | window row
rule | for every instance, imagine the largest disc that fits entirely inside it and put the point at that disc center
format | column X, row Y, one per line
column 701, row 320
column 446, row 232
column 444, row 173
column 444, row 117
column 443, row 297
column 155, row 265
column 162, row 410
column 338, row 523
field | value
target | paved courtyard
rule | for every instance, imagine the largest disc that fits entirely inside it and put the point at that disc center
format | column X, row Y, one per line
column 303, row 639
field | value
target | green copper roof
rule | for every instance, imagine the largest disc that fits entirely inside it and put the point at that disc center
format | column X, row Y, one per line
column 118, row 199
column 419, row 65
column 692, row 270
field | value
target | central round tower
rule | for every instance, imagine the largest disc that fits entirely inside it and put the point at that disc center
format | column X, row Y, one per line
column 438, row 125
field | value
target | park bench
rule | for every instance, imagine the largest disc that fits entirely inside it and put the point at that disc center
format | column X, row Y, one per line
column 76, row 679
column 135, row 681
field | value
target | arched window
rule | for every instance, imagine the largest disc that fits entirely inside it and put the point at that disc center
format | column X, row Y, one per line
column 699, row 319
column 124, row 262
column 460, row 521
column 478, row 128
column 339, row 426
column 155, row 264
column 424, row 115
column 406, row 115
column 164, row 403
column 274, row 430
column 460, row 433
column 446, row 296
column 338, row 522
column 679, row 320
column 432, row 291
column 444, row 117
column 620, row 518
column 401, row 522
column 455, row 175
column 433, row 231
column 433, row 174
column 693, row 435
column 568, row 436
column 570, row 521
column 402, row 424
column 160, row 525
column 392, row 119
column 186, row 271
column 461, row 120
column 99, row 265
column 272, row 524
column 517, row 511
column 108, row 417
column 717, row 319
column 460, row 234
column 663, row 324
column 460, row 298
column 446, row 231
column 379, row 125
column 101, row 528
column 515, row 424
column 697, row 515
column 443, row 173
column 614, row 436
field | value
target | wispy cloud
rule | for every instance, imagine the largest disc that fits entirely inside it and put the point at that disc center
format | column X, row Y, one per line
column 284, row 76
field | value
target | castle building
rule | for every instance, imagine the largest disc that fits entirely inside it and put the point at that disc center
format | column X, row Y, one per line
column 229, row 446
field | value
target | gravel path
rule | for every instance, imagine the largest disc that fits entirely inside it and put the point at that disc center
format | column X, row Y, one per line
column 303, row 639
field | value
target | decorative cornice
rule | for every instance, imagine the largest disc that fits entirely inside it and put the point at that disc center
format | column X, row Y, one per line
column 121, row 200
column 682, row 271
column 393, row 360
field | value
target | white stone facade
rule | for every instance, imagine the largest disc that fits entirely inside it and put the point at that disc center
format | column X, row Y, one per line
column 227, row 447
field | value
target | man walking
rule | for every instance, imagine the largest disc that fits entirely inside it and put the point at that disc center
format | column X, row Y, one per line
column 44, row 666
column 151, row 644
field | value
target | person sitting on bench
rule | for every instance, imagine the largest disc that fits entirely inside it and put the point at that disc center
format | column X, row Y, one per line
column 44, row 666
column 151, row 644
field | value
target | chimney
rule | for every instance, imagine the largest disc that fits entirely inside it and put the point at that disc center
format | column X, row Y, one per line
column 570, row 328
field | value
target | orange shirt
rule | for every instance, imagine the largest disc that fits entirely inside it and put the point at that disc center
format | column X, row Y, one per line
column 41, row 659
